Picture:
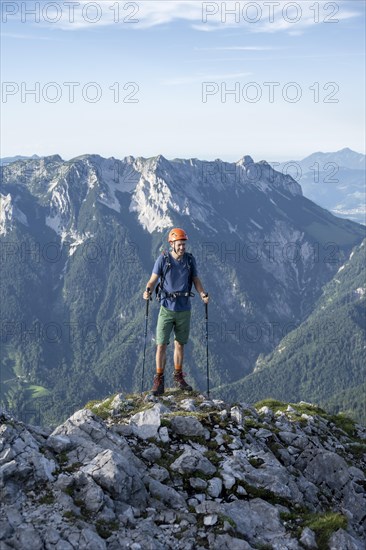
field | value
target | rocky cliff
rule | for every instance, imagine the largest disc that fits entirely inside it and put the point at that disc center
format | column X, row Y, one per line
column 184, row 473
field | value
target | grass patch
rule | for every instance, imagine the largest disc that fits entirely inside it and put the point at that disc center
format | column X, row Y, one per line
column 106, row 528
column 213, row 457
column 344, row 423
column 357, row 449
column 48, row 498
column 324, row 525
column 272, row 404
column 38, row 391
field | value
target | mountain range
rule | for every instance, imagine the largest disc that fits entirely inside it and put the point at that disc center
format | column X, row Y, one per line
column 336, row 181
column 78, row 240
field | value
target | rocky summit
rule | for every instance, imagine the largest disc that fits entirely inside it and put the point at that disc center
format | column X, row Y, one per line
column 184, row 472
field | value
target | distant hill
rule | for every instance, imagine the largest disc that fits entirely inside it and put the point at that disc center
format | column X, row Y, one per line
column 336, row 181
column 323, row 360
column 8, row 160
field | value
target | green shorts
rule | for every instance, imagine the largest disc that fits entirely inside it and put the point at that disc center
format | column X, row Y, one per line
column 168, row 320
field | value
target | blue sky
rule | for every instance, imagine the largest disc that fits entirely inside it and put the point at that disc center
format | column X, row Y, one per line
column 161, row 84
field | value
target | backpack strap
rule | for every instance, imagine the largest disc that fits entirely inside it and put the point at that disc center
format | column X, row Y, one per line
column 166, row 266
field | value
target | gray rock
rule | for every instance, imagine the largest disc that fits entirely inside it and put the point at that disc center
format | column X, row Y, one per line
column 197, row 483
column 308, row 538
column 226, row 542
column 236, row 414
column 29, row 538
column 152, row 453
column 117, row 402
column 193, row 461
column 341, row 540
column 145, row 424
column 210, row 519
column 168, row 495
column 89, row 492
column 59, row 443
column 90, row 539
column 188, row 405
column 187, row 425
column 329, row 469
column 214, row 487
column 159, row 473
column 164, row 434
column 114, row 473
column 257, row 520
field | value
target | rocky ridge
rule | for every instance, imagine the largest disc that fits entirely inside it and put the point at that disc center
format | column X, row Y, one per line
column 184, row 472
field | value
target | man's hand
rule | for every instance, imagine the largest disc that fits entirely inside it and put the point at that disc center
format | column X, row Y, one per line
column 147, row 294
column 205, row 297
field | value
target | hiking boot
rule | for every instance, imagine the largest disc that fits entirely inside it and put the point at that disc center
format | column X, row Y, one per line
column 158, row 386
column 180, row 382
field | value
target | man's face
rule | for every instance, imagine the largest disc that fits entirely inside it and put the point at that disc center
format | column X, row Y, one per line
column 180, row 247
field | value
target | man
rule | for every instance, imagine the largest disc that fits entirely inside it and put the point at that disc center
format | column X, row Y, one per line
column 177, row 271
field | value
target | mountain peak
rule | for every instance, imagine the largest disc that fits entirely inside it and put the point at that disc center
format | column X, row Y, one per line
column 245, row 160
column 181, row 471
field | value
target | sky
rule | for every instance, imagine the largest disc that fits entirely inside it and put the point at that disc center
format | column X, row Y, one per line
column 277, row 80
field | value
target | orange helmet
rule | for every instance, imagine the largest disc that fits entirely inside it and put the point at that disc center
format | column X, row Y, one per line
column 177, row 234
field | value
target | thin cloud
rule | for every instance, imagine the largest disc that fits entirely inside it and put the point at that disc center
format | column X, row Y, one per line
column 140, row 15
column 238, row 48
column 178, row 81
column 24, row 36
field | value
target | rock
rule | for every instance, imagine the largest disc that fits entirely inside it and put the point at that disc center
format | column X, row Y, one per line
column 210, row 520
column 187, row 425
column 341, row 540
column 226, row 542
column 27, row 537
column 59, row 443
column 188, row 405
column 159, row 473
column 197, row 483
column 152, row 453
column 308, row 538
column 145, row 424
column 117, row 403
column 257, row 520
column 164, row 435
column 236, row 414
column 167, row 495
column 193, row 461
column 329, row 469
column 114, row 473
column 214, row 487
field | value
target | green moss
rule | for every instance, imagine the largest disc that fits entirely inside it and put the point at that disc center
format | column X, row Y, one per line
column 344, row 423
column 63, row 458
column 324, row 525
column 300, row 408
column 256, row 462
column 105, row 528
column 70, row 515
column 357, row 449
column 165, row 422
column 73, row 467
column 272, row 404
column 48, row 498
column 212, row 457
column 222, row 518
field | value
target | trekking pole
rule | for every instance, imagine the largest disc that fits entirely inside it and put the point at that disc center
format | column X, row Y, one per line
column 207, row 369
column 145, row 335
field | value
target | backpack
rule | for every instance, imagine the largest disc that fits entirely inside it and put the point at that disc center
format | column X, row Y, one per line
column 159, row 290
